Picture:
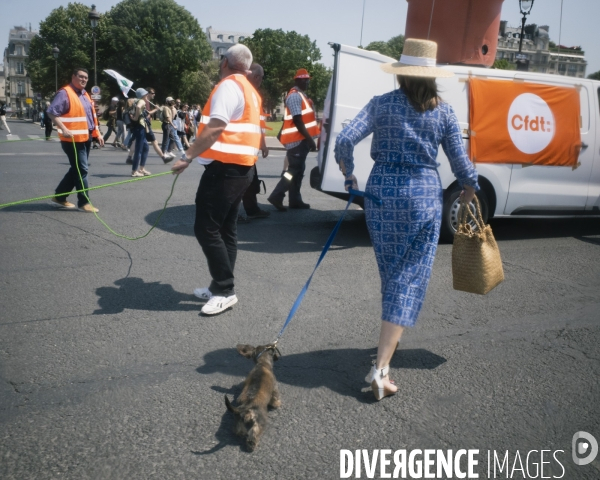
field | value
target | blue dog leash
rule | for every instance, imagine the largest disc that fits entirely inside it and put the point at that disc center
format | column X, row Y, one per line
column 353, row 193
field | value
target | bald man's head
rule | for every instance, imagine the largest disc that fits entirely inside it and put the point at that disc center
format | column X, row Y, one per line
column 255, row 77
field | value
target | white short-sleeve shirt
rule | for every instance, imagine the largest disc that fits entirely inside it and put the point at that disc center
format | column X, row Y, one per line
column 227, row 104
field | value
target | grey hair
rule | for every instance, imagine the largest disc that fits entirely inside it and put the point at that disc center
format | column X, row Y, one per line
column 239, row 57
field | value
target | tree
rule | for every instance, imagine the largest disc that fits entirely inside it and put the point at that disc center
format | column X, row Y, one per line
column 319, row 83
column 151, row 42
column 594, row 76
column 195, row 88
column 154, row 43
column 281, row 54
column 70, row 29
column 392, row 48
column 396, row 45
column 503, row 64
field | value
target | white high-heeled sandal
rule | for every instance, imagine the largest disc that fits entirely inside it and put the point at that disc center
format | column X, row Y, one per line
column 375, row 378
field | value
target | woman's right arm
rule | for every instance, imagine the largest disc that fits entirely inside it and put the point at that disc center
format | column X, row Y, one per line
column 359, row 128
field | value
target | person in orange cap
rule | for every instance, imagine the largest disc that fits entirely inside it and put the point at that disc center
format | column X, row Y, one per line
column 297, row 133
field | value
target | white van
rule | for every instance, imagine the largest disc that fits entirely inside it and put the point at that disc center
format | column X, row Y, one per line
column 506, row 189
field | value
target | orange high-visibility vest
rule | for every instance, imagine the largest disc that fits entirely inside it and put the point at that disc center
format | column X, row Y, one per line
column 75, row 119
column 239, row 143
column 289, row 132
column 263, row 120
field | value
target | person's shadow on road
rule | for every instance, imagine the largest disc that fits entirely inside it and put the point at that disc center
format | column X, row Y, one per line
column 135, row 294
column 341, row 370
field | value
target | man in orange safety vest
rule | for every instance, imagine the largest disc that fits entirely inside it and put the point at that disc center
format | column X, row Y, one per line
column 72, row 110
column 227, row 144
column 297, row 133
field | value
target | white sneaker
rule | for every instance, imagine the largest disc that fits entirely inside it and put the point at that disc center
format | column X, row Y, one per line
column 171, row 154
column 203, row 293
column 218, row 304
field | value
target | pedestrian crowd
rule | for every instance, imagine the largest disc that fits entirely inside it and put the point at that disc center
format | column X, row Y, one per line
column 226, row 138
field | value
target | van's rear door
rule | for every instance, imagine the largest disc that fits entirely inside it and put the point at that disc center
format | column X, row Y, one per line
column 356, row 79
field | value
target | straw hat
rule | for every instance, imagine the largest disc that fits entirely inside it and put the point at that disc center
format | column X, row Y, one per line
column 417, row 60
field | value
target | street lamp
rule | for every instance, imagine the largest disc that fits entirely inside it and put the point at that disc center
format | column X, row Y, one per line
column 55, row 52
column 525, row 6
column 94, row 16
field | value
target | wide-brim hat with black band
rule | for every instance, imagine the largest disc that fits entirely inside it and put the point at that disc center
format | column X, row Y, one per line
column 418, row 59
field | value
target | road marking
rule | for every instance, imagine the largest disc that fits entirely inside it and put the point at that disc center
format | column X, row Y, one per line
column 32, row 154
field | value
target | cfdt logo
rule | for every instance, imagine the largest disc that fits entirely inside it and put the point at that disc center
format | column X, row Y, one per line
column 530, row 123
column 585, row 448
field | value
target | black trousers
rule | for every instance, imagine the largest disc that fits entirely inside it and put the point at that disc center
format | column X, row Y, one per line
column 48, row 127
column 297, row 164
column 217, row 204
column 249, row 199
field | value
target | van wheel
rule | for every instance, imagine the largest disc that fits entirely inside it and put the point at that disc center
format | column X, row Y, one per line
column 450, row 211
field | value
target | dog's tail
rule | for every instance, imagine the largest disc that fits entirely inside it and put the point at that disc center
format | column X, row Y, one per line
column 230, row 407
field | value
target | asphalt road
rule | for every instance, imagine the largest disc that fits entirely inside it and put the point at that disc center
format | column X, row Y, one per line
column 107, row 370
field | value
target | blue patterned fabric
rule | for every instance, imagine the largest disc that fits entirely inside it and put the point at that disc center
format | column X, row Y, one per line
column 403, row 135
column 405, row 229
column 404, row 232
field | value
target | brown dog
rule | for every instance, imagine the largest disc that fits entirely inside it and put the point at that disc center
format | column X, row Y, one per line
column 260, row 391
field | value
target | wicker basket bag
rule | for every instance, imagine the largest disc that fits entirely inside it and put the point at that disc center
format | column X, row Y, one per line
column 476, row 262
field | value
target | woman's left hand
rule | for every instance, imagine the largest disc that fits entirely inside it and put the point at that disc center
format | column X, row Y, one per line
column 468, row 194
column 351, row 183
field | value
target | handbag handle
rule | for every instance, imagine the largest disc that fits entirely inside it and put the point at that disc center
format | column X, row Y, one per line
column 465, row 211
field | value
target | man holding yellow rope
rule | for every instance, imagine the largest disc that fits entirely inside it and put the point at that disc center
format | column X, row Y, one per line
column 72, row 110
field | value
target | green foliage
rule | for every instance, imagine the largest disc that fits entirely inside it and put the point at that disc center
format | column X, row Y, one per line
column 504, row 64
column 195, row 88
column 392, row 48
column 317, row 89
column 154, row 43
column 281, row 54
column 594, row 76
column 70, row 29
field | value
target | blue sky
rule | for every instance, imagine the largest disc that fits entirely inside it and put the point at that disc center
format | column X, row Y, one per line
column 340, row 20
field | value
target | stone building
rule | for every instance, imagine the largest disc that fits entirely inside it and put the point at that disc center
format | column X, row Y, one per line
column 2, row 85
column 18, row 90
column 221, row 40
column 541, row 55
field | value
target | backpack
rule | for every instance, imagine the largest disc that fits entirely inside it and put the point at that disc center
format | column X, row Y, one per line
column 161, row 114
column 128, row 115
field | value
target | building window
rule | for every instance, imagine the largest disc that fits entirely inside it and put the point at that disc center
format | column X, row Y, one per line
column 20, row 88
column 20, row 69
column 562, row 68
column 231, row 38
column 220, row 37
column 241, row 39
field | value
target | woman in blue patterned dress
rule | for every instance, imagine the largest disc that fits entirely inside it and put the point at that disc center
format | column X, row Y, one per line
column 408, row 125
